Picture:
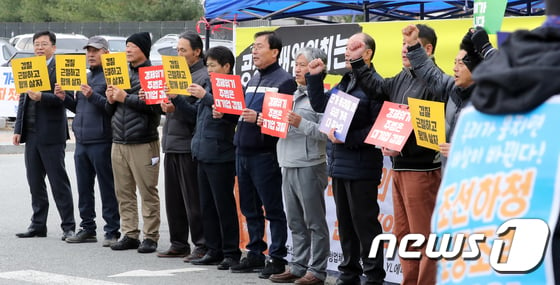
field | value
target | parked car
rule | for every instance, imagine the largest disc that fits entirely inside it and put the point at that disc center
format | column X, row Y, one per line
column 15, row 39
column 18, row 54
column 167, row 45
column 116, row 43
column 6, row 52
column 65, row 43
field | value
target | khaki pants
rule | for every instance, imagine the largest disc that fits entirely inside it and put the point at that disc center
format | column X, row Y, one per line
column 137, row 165
column 414, row 199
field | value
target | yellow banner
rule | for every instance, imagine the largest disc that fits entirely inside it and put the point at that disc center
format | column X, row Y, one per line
column 428, row 121
column 115, row 69
column 30, row 73
column 177, row 74
column 71, row 71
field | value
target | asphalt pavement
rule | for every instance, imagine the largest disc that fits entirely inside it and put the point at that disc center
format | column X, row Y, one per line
column 51, row 261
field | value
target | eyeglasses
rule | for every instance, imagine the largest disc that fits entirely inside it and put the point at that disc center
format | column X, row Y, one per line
column 42, row 44
column 258, row 47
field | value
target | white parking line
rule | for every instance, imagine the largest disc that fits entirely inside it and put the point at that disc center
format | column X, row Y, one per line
column 155, row 273
column 39, row 277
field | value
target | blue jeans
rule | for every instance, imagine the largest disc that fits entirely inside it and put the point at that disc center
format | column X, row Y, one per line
column 260, row 184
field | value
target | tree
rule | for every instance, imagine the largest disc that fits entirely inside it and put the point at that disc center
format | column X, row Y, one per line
column 10, row 10
column 99, row 10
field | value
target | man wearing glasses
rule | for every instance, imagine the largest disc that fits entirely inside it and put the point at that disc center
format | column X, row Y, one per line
column 42, row 125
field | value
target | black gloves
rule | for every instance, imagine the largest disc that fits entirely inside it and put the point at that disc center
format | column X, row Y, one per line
column 480, row 41
column 467, row 43
column 472, row 58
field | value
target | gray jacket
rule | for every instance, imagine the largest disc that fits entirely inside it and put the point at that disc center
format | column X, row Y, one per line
column 441, row 85
column 304, row 146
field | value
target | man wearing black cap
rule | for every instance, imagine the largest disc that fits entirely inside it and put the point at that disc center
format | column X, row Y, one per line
column 136, row 152
column 92, row 156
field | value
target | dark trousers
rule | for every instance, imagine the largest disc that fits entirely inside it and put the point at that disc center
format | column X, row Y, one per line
column 219, row 211
column 357, row 213
column 48, row 160
column 260, row 183
column 95, row 160
column 182, row 200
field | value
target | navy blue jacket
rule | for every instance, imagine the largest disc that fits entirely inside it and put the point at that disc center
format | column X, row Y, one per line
column 212, row 141
column 51, row 123
column 248, row 138
column 354, row 159
column 91, row 124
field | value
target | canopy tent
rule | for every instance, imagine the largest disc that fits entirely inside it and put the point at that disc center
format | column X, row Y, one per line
column 219, row 11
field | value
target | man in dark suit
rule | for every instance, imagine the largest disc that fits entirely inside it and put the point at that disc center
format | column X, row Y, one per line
column 42, row 125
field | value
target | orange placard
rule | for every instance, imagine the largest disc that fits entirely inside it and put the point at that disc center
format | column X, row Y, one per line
column 228, row 93
column 392, row 127
column 152, row 81
column 275, row 114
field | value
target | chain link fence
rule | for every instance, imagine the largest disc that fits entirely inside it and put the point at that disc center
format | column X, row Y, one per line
column 125, row 29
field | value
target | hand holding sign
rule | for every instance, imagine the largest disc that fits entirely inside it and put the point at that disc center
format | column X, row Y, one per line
column 58, row 92
column 35, row 95
column 196, row 90
column 87, row 91
column 249, row 115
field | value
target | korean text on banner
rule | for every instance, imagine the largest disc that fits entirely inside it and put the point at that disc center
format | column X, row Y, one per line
column 392, row 127
column 489, row 14
column 115, row 69
column 71, row 71
column 428, row 121
column 339, row 113
column 275, row 114
column 152, row 82
column 501, row 169
column 30, row 73
column 228, row 93
column 177, row 74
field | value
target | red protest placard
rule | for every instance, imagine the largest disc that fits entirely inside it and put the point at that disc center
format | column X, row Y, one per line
column 152, row 81
column 275, row 114
column 392, row 127
column 228, row 93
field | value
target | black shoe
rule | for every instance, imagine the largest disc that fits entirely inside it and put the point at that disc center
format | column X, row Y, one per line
column 67, row 234
column 248, row 264
column 32, row 233
column 208, row 259
column 197, row 253
column 227, row 263
column 147, row 246
column 126, row 243
column 82, row 236
column 273, row 266
column 171, row 252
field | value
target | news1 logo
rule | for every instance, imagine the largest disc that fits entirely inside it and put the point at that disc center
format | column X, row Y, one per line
column 525, row 253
